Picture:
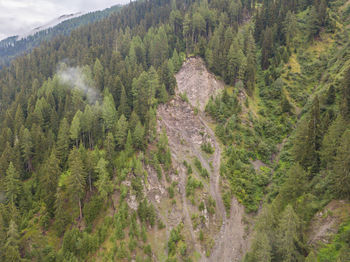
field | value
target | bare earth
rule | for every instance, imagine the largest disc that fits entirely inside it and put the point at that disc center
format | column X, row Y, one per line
column 186, row 132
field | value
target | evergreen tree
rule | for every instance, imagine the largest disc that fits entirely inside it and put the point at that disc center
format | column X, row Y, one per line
column 341, row 171
column 266, row 48
column 12, row 184
column 103, row 183
column 123, row 108
column 11, row 248
column 19, row 119
column 138, row 136
column 27, row 148
column 75, row 127
column 332, row 140
column 76, row 178
column 261, row 249
column 288, row 238
column 345, row 103
column 313, row 23
column 98, row 74
column 308, row 139
column 109, row 146
column 48, row 181
column 121, row 131
column 63, row 141
column 109, row 113
column 290, row 27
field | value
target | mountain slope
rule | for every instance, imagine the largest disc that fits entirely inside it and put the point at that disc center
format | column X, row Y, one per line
column 170, row 130
column 14, row 46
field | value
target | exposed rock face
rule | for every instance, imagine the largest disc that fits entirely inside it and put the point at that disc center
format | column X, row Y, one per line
column 186, row 131
column 198, row 84
column 325, row 223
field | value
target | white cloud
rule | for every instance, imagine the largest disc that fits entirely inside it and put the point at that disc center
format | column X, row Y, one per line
column 20, row 16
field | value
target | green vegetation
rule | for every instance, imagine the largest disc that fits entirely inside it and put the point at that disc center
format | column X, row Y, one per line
column 77, row 140
column 207, row 148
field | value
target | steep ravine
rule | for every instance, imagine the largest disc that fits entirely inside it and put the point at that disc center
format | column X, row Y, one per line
column 187, row 128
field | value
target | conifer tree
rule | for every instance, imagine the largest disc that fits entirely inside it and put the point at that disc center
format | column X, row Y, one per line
column 121, row 131
column 75, row 127
column 12, row 184
column 98, row 74
column 109, row 113
column 11, row 248
column 123, row 108
column 63, row 141
column 27, row 148
column 48, row 181
column 342, row 167
column 288, row 238
column 345, row 103
column 76, row 178
column 139, row 136
column 103, row 183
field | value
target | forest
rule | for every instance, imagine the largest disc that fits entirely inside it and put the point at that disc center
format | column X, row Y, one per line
column 79, row 136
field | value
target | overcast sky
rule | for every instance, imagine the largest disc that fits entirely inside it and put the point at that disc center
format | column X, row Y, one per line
column 20, row 16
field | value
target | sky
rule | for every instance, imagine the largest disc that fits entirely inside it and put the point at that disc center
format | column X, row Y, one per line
column 20, row 16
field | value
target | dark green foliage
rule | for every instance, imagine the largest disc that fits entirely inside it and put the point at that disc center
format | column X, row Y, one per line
column 202, row 171
column 92, row 209
column 207, row 147
column 146, row 212
column 66, row 156
column 192, row 185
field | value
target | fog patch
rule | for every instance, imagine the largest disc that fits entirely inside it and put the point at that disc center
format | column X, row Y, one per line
column 77, row 78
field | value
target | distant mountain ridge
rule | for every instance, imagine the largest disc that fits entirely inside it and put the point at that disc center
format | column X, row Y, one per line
column 50, row 24
column 14, row 46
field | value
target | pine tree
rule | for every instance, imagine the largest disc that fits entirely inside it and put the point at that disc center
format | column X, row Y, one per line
column 290, row 28
column 266, row 48
column 121, row 131
column 332, row 140
column 27, row 148
column 98, row 74
column 138, row 136
column 109, row 113
column 103, row 183
column 76, row 179
column 331, row 95
column 109, row 146
column 295, row 184
column 75, row 127
column 12, row 184
column 261, row 249
column 314, row 136
column 128, row 145
column 341, row 177
column 19, row 119
column 63, row 141
column 11, row 248
column 308, row 139
column 313, row 24
column 48, row 181
column 345, row 103
column 288, row 238
column 123, row 108
column 86, row 122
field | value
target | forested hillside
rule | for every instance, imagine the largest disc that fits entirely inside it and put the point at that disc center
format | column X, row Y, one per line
column 118, row 143
column 14, row 46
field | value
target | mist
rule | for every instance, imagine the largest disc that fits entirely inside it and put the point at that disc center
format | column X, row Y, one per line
column 75, row 78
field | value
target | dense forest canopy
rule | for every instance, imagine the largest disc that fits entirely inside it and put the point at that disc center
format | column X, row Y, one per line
column 78, row 119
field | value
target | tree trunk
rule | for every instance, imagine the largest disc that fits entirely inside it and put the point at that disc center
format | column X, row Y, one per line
column 81, row 213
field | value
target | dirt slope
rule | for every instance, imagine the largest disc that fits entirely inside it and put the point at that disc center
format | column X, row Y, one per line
column 186, row 132
column 198, row 84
